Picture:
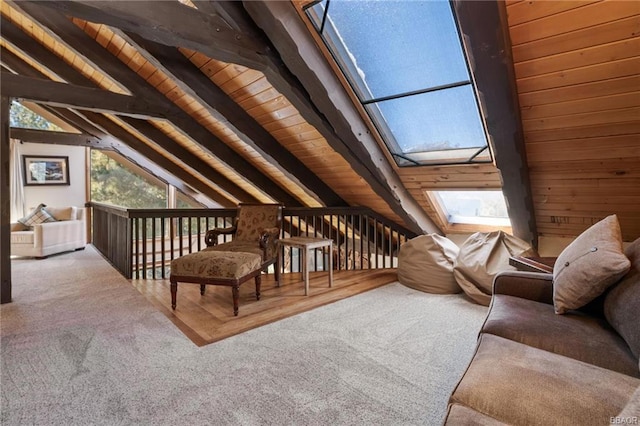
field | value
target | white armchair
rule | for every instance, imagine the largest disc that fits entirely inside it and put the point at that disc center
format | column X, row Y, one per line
column 67, row 233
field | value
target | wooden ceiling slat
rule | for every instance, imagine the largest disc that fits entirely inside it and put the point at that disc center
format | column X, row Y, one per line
column 583, row 119
column 609, row 129
column 579, row 58
column 586, row 169
column 531, row 10
column 572, row 20
column 579, row 91
column 608, row 32
column 604, row 71
column 586, row 149
column 602, row 103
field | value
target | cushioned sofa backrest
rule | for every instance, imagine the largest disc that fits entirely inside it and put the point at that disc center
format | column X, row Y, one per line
column 63, row 213
column 622, row 303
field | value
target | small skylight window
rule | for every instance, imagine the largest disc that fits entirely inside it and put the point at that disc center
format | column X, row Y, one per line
column 23, row 117
column 405, row 62
column 474, row 207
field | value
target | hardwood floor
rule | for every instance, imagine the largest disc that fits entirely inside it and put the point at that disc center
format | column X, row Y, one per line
column 209, row 318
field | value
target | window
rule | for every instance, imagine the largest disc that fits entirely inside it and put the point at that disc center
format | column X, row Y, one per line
column 405, row 63
column 113, row 183
column 473, row 207
column 23, row 117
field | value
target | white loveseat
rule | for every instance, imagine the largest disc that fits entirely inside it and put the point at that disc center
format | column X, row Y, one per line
column 67, row 233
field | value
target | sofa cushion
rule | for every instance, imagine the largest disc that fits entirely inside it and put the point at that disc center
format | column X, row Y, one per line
column 589, row 265
column 63, row 213
column 425, row 263
column 37, row 216
column 482, row 256
column 22, row 237
column 575, row 335
column 522, row 385
column 216, row 264
column 622, row 303
column 459, row 415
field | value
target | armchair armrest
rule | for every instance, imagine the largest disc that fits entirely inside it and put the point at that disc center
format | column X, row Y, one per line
column 527, row 285
column 211, row 236
column 268, row 239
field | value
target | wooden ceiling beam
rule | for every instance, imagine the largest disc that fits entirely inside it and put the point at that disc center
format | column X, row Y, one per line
column 56, row 138
column 68, row 33
column 170, row 23
column 221, row 106
column 486, row 35
column 160, row 160
column 302, row 75
column 108, row 140
column 193, row 161
column 49, row 92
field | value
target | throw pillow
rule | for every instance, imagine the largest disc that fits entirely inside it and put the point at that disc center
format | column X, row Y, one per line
column 425, row 263
column 622, row 302
column 589, row 265
column 37, row 216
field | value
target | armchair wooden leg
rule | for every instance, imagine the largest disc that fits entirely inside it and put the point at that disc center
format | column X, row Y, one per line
column 258, row 282
column 235, row 290
column 174, row 291
column 202, row 289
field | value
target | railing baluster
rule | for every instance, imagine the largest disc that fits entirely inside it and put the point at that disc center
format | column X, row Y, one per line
column 163, row 222
column 153, row 248
column 124, row 236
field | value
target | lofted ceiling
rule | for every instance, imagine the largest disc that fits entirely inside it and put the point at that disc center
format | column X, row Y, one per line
column 239, row 102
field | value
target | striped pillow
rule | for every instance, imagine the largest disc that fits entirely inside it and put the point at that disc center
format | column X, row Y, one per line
column 37, row 216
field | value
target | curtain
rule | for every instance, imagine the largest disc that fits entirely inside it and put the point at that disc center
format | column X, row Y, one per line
column 15, row 181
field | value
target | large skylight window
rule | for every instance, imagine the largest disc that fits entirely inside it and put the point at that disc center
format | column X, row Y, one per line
column 405, row 62
column 474, row 207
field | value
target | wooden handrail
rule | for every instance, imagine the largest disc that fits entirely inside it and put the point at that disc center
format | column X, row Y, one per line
column 142, row 242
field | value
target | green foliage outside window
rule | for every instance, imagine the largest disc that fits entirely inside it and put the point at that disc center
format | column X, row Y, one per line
column 21, row 116
column 111, row 183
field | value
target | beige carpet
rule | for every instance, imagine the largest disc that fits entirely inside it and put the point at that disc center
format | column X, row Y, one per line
column 81, row 346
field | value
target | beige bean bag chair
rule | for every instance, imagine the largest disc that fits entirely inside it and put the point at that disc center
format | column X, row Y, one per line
column 481, row 257
column 425, row 263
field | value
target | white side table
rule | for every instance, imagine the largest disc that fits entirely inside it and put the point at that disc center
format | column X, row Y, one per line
column 307, row 244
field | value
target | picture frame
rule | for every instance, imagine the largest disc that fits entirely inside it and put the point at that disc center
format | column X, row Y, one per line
column 45, row 170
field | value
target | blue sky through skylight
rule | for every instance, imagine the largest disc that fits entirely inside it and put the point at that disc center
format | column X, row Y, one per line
column 405, row 62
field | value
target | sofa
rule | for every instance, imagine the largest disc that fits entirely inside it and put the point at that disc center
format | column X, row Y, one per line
column 66, row 232
column 533, row 366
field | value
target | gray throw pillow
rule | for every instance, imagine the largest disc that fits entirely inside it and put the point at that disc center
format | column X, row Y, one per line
column 589, row 265
column 622, row 303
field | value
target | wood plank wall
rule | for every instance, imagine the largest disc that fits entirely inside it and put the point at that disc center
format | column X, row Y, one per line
column 577, row 66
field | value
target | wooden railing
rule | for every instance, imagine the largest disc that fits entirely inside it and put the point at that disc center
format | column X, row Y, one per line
column 141, row 243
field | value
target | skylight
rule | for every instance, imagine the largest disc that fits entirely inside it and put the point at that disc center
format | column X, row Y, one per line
column 405, row 63
column 474, row 207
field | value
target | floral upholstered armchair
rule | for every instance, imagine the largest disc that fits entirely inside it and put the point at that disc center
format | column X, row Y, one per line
column 256, row 229
column 253, row 249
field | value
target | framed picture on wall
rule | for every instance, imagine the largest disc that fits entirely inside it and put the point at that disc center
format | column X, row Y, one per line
column 45, row 170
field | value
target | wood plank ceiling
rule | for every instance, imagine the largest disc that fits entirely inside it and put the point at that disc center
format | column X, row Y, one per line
column 245, row 130
column 577, row 65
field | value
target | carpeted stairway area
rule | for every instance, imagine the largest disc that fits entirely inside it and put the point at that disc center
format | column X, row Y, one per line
column 81, row 346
